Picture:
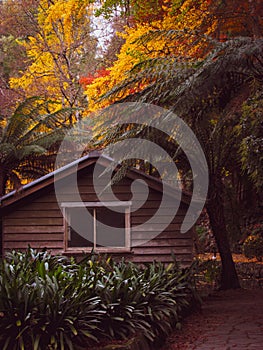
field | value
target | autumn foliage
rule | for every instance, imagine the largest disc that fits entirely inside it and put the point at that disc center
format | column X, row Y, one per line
column 183, row 23
column 89, row 79
column 57, row 51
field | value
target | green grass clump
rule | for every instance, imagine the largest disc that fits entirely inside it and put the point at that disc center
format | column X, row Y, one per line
column 51, row 302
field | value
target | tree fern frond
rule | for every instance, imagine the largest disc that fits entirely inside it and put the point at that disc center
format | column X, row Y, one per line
column 199, row 92
column 31, row 131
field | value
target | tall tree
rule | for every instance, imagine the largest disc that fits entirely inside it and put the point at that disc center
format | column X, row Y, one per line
column 144, row 41
column 59, row 51
column 15, row 24
column 209, row 96
column 185, row 29
column 205, row 81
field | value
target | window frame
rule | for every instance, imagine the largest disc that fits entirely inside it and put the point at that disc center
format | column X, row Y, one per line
column 66, row 225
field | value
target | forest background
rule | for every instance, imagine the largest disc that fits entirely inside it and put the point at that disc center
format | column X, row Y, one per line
column 201, row 59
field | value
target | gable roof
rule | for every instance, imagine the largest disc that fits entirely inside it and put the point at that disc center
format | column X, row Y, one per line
column 83, row 162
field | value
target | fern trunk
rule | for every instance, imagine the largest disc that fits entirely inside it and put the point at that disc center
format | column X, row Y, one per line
column 215, row 209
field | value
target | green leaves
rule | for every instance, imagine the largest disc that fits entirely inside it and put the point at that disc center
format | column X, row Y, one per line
column 52, row 303
column 29, row 140
column 251, row 131
column 43, row 303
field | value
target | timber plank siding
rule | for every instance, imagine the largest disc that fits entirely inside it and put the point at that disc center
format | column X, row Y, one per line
column 34, row 218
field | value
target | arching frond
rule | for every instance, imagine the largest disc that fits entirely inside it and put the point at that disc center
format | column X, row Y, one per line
column 27, row 138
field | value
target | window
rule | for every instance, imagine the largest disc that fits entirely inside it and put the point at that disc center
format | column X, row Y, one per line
column 97, row 225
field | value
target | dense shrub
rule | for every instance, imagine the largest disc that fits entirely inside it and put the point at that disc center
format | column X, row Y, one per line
column 53, row 303
column 210, row 269
column 42, row 303
column 253, row 247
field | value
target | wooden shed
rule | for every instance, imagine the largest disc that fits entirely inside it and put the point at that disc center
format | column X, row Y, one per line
column 32, row 216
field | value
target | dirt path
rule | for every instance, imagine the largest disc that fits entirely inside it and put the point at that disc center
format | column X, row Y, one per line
column 228, row 320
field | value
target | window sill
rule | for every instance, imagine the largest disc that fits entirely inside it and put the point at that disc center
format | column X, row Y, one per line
column 98, row 250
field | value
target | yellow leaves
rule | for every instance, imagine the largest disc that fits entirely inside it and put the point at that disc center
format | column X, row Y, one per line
column 238, row 258
column 185, row 21
column 129, row 55
column 39, row 76
column 61, row 17
column 55, row 51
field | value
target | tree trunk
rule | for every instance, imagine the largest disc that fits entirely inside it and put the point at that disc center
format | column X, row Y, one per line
column 215, row 210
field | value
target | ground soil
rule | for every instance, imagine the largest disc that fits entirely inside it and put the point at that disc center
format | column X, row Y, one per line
column 227, row 320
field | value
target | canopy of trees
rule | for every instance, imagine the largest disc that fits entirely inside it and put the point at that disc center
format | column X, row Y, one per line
column 59, row 49
column 201, row 59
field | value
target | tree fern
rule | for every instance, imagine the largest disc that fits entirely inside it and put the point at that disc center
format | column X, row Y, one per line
column 29, row 140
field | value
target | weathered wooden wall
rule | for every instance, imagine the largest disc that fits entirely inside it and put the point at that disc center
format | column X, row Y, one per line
column 38, row 221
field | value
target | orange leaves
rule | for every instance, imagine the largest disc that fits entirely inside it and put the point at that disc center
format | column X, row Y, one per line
column 87, row 80
column 174, row 32
column 175, row 29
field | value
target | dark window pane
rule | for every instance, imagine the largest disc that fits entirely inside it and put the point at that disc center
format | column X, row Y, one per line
column 81, row 227
column 110, row 227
